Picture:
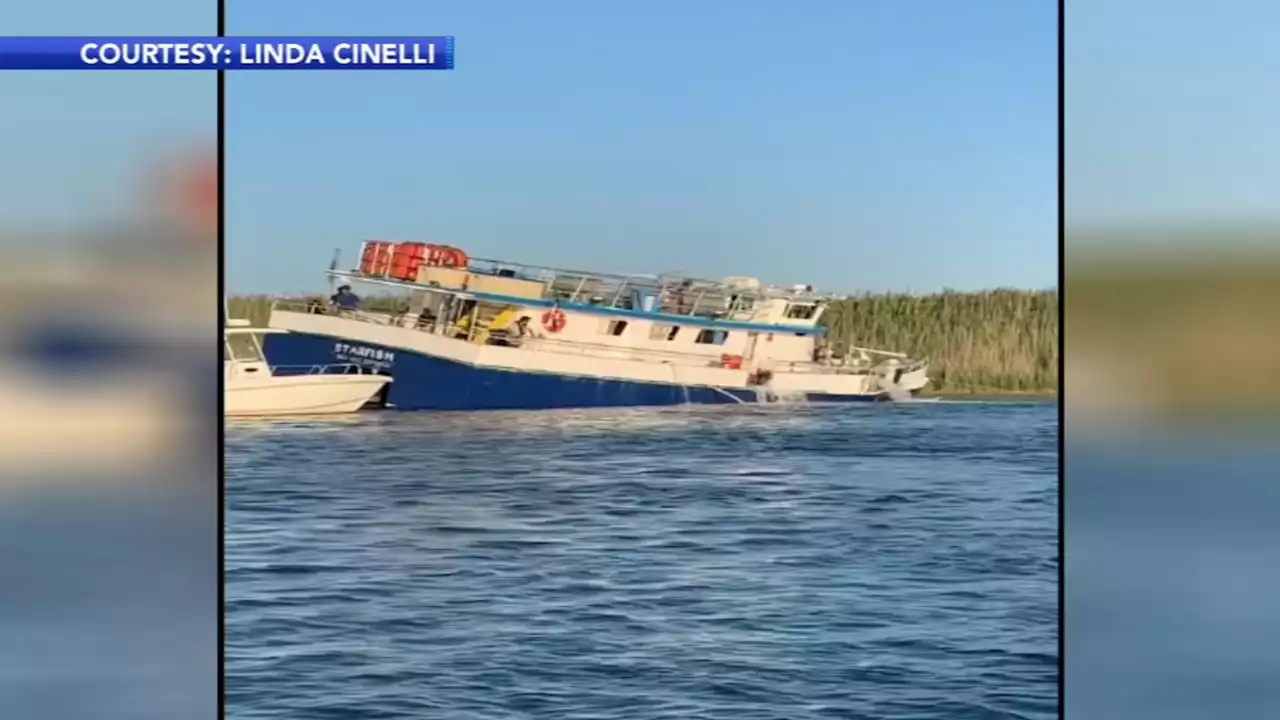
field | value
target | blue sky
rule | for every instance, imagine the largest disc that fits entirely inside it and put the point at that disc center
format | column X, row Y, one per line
column 852, row 145
column 1171, row 108
column 848, row 144
column 73, row 144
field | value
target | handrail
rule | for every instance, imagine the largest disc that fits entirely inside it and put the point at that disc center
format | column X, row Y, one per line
column 629, row 353
column 863, row 368
column 321, row 369
column 873, row 351
column 550, row 275
column 617, row 352
column 669, row 317
column 305, row 307
column 810, row 367
column 550, row 344
column 347, row 369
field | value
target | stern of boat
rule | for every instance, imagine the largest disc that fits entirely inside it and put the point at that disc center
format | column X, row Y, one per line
column 914, row 377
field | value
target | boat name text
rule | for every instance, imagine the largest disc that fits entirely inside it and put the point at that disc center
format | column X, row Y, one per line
column 363, row 354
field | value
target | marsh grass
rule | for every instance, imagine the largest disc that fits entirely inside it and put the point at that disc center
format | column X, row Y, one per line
column 254, row 308
column 257, row 308
column 998, row 341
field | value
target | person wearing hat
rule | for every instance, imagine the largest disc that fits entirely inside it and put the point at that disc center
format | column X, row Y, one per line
column 344, row 299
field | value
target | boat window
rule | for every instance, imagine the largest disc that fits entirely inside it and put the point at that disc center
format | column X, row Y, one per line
column 614, row 327
column 663, row 332
column 711, row 337
column 800, row 311
column 241, row 346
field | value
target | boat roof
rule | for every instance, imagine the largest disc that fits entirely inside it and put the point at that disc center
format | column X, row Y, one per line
column 797, row 293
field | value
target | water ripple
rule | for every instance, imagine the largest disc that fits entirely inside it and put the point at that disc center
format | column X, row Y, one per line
column 815, row 562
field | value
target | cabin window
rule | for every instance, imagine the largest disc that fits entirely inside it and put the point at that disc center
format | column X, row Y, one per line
column 799, row 311
column 663, row 332
column 739, row 304
column 613, row 327
column 711, row 337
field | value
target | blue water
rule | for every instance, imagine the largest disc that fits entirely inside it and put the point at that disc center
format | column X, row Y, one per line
column 1171, row 587
column 884, row 561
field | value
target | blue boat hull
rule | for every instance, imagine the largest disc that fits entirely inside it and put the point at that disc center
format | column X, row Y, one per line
column 424, row 382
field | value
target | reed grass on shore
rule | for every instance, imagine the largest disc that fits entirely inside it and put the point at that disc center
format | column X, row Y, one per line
column 993, row 342
column 997, row 341
column 254, row 308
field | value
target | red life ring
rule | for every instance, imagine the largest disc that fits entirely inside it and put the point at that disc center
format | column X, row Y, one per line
column 554, row 320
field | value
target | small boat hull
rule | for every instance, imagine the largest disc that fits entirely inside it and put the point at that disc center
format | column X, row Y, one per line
column 301, row 395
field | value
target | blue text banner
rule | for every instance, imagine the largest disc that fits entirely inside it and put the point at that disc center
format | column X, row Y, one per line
column 226, row 53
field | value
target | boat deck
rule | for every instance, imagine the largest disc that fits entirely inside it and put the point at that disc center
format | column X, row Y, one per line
column 668, row 293
column 862, row 361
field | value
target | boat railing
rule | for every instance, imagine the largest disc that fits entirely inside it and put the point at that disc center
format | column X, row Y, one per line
column 541, row 343
column 322, row 369
column 398, row 318
column 312, row 308
column 806, row 367
column 619, row 352
column 673, row 295
column 859, row 361
column 669, row 294
column 915, row 365
column 880, row 353
column 325, row 369
column 545, row 273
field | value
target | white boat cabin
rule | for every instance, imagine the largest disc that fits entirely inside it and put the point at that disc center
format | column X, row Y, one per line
column 737, row 322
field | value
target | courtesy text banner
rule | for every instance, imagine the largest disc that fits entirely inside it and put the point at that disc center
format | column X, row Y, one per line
column 226, row 53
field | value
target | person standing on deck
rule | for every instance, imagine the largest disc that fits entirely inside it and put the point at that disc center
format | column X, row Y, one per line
column 821, row 351
column 345, row 300
column 515, row 333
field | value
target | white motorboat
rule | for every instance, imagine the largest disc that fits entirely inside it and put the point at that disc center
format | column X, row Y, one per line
column 255, row 389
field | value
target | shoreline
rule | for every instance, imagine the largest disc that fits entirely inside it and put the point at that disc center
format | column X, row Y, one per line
column 1017, row 345
column 994, row 395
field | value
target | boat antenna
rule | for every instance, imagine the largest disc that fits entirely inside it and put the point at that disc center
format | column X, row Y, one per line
column 333, row 268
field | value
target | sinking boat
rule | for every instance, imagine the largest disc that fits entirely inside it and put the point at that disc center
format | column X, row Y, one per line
column 461, row 333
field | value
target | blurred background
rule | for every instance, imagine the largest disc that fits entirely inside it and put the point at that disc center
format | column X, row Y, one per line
column 1171, row 279
column 108, row 435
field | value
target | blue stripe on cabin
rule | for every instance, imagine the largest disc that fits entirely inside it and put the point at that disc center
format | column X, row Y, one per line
column 665, row 318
